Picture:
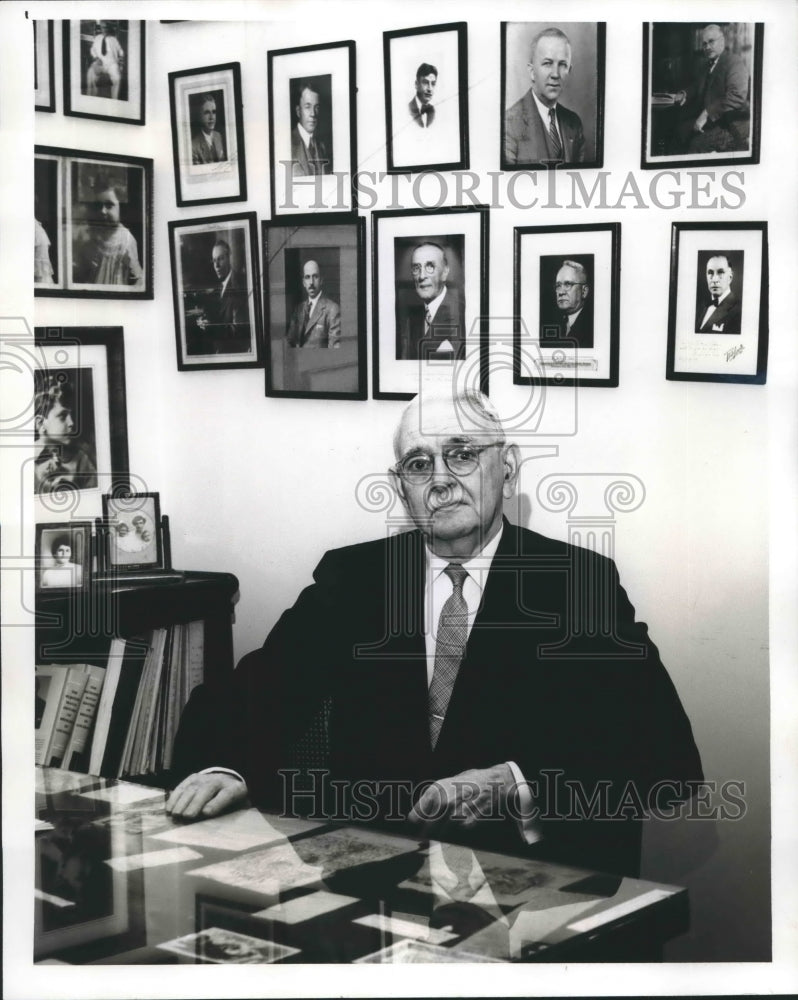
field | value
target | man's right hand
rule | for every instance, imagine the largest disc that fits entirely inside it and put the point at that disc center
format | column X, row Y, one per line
column 204, row 795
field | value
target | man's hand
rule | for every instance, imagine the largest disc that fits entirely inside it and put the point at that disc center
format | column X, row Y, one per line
column 463, row 800
column 203, row 795
column 700, row 122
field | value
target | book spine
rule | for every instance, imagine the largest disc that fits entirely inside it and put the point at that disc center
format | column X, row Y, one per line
column 74, row 756
column 67, row 713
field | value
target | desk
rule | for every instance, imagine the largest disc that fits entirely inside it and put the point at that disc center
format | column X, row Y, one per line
column 119, row 882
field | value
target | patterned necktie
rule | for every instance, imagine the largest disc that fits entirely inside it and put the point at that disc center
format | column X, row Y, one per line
column 427, row 321
column 104, row 47
column 313, row 158
column 449, row 647
column 554, row 135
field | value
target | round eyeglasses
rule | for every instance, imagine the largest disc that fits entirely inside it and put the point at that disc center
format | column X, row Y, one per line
column 428, row 267
column 459, row 459
column 567, row 285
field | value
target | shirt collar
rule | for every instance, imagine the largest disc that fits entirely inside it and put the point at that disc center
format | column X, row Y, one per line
column 476, row 566
column 433, row 306
column 305, row 136
column 543, row 109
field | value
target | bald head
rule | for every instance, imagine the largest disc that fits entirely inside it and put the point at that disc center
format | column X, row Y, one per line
column 312, row 279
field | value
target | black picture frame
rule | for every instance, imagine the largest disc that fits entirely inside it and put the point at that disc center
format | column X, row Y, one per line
column 141, row 545
column 215, row 171
column 44, row 65
column 105, row 85
column 214, row 330
column 403, row 357
column 580, row 118
column 330, row 69
column 727, row 342
column 58, row 572
column 437, row 139
column 305, row 363
column 671, row 61
column 95, row 258
column 543, row 353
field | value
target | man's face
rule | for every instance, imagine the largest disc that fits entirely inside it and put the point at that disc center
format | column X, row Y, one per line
column 570, row 289
column 58, row 426
column 719, row 275
column 307, row 111
column 551, row 64
column 208, row 117
column 107, row 207
column 63, row 554
column 712, row 42
column 311, row 279
column 425, row 87
column 429, row 271
column 221, row 262
column 458, row 514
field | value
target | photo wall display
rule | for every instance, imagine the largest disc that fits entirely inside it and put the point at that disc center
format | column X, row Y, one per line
column 104, row 69
column 93, row 224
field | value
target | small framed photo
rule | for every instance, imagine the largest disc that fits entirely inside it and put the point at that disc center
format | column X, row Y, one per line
column 312, row 128
column 44, row 65
column 208, row 135
column 702, row 93
column 566, row 305
column 104, row 70
column 93, row 231
column 426, row 98
column 80, row 420
column 552, row 94
column 63, row 556
column 133, row 538
column 430, row 299
column 718, row 311
column 314, row 302
column 216, row 288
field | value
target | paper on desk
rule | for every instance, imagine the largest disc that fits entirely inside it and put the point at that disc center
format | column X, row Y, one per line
column 420, row 951
column 124, row 793
column 42, row 824
column 219, row 945
column 238, row 831
column 315, row 904
column 52, row 779
column 152, row 859
column 269, row 871
column 406, row 928
column 620, row 910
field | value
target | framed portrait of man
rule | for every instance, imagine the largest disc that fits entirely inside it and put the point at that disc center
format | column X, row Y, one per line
column 718, row 312
column 430, row 298
column 44, row 65
column 426, row 98
column 702, row 93
column 104, row 69
column 312, row 128
column 552, row 94
column 215, row 282
column 314, row 307
column 566, row 305
column 208, row 135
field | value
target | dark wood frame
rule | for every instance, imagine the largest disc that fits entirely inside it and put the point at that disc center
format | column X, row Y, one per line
column 601, row 61
column 614, row 229
column 351, row 89
column 112, row 339
column 105, row 548
column 707, row 159
column 68, row 98
column 760, row 376
column 50, row 105
column 237, row 106
column 256, row 325
column 297, row 223
column 68, row 158
column 66, row 527
column 484, row 285
column 462, row 161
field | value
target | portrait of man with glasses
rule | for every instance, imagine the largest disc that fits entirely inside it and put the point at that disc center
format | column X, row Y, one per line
column 566, row 303
column 430, row 309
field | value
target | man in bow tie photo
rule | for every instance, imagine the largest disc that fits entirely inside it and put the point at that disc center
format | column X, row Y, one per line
column 421, row 108
column 719, row 311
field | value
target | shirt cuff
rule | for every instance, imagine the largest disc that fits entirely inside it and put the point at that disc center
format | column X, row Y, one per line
column 223, row 770
column 526, row 810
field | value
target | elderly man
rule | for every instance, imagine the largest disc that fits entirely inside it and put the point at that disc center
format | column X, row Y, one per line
column 316, row 322
column 717, row 113
column 460, row 684
column 224, row 319
column 432, row 324
column 721, row 312
column 206, row 144
column 309, row 154
column 574, row 305
column 537, row 128
column 421, row 108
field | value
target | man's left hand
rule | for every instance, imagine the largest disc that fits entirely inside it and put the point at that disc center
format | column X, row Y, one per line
column 461, row 801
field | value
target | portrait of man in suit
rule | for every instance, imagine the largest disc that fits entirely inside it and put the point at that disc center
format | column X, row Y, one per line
column 223, row 317
column 311, row 154
column 538, row 129
column 430, row 316
column 207, row 145
column 455, row 672
column 421, row 108
column 316, row 322
column 566, row 301
column 719, row 307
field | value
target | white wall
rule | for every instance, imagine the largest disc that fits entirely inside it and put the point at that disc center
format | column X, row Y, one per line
column 261, row 487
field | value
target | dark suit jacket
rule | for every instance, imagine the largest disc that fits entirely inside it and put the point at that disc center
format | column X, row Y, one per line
column 300, row 164
column 415, row 114
column 723, row 93
column 201, row 152
column 725, row 319
column 448, row 324
column 228, row 330
column 533, row 688
column 581, row 332
column 323, row 330
column 526, row 141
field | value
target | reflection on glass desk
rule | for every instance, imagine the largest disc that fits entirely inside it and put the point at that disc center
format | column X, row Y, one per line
column 120, row 882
